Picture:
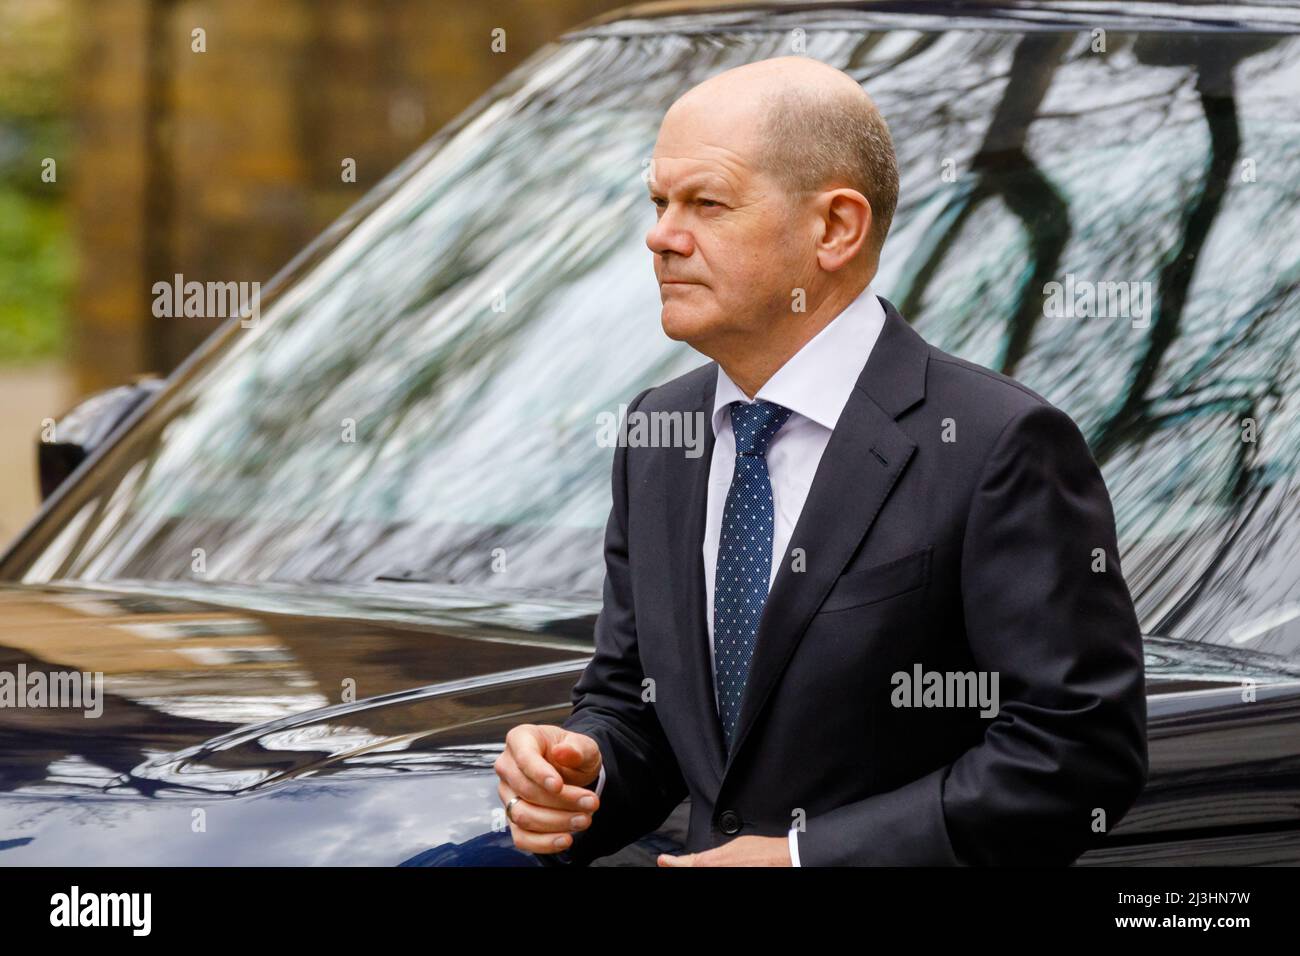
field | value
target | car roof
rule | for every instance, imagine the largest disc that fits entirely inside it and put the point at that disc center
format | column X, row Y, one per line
column 669, row 15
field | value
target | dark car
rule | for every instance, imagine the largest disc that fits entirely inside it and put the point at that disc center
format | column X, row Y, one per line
column 344, row 548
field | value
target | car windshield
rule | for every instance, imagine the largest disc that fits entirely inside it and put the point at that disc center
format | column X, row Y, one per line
column 421, row 396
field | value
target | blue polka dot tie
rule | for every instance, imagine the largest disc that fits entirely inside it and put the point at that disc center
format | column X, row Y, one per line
column 744, row 555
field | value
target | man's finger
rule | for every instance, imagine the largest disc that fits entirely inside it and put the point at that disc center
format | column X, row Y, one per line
column 524, row 839
column 527, row 749
column 668, row 859
column 546, row 820
column 576, row 751
column 569, row 798
column 539, row 842
column 539, row 819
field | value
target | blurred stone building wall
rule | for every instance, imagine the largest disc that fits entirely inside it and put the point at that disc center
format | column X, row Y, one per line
column 220, row 165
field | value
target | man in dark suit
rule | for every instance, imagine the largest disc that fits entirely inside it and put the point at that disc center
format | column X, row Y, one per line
column 881, row 620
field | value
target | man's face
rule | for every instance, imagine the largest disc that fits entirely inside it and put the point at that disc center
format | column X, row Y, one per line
column 726, row 243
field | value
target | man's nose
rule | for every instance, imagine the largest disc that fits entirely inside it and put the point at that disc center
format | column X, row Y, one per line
column 667, row 235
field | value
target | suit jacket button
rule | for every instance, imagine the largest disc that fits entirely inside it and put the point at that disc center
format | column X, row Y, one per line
column 729, row 821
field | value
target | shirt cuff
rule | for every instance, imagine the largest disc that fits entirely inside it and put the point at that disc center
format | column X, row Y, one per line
column 600, row 781
column 794, row 847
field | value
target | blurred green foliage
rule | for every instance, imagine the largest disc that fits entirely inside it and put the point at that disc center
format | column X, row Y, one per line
column 35, row 276
column 36, row 267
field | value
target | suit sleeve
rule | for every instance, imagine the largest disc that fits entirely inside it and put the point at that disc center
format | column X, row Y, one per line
column 643, row 783
column 1065, row 757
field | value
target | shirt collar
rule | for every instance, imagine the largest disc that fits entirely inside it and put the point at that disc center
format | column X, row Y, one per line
column 817, row 380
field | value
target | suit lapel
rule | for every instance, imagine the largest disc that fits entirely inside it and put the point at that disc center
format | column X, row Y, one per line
column 863, row 459
column 685, row 544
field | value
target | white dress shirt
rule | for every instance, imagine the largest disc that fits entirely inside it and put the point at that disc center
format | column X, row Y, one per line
column 815, row 385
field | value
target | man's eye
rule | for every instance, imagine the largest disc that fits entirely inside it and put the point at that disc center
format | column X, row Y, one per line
column 661, row 203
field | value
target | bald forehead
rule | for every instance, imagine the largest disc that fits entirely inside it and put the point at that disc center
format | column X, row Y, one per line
column 722, row 121
column 747, row 84
column 707, row 145
column 722, row 118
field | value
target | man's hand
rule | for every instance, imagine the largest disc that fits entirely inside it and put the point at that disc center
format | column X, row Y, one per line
column 742, row 851
column 549, row 769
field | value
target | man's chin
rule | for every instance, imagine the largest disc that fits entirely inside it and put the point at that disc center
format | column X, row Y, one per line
column 685, row 327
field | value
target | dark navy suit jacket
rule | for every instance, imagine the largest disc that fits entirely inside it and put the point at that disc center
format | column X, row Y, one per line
column 954, row 522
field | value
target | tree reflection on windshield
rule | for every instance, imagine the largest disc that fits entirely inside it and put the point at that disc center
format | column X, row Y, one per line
column 469, row 330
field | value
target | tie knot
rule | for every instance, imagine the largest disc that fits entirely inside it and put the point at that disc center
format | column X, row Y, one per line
column 755, row 424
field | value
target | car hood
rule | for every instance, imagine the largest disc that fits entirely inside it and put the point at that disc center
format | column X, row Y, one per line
column 283, row 725
column 235, row 735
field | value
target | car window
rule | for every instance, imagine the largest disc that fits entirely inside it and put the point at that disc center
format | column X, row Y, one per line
column 424, row 397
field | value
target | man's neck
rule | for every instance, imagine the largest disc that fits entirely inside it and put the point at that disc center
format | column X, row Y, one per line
column 751, row 364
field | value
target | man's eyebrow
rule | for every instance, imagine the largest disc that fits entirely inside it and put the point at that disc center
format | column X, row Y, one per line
column 693, row 184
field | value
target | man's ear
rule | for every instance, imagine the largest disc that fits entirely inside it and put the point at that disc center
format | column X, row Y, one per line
column 846, row 229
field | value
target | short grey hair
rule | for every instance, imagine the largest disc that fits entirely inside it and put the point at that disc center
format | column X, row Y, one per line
column 813, row 140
